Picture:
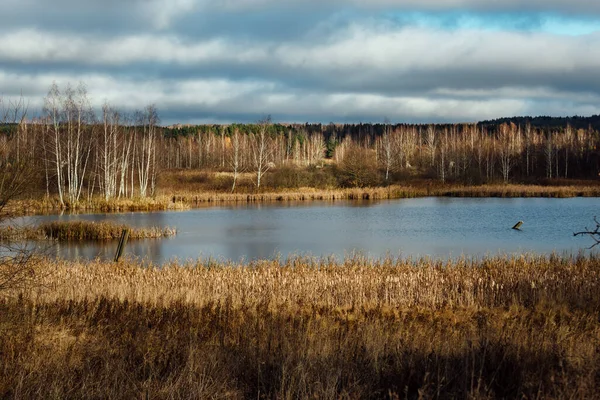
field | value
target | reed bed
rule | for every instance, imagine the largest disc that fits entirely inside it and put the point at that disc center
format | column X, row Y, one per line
column 180, row 200
column 519, row 327
column 81, row 230
column 391, row 192
column 35, row 206
column 356, row 282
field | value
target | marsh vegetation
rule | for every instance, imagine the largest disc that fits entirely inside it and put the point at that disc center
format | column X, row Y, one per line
column 498, row 328
column 80, row 230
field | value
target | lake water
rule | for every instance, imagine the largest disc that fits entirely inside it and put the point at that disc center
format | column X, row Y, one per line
column 434, row 227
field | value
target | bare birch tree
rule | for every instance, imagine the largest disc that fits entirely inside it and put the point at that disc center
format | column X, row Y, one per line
column 506, row 139
column 386, row 149
column 147, row 151
column 78, row 117
column 52, row 108
column 110, row 142
column 431, row 142
column 261, row 151
column 234, row 158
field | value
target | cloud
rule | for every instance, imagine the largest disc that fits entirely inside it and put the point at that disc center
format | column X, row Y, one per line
column 310, row 61
column 389, row 61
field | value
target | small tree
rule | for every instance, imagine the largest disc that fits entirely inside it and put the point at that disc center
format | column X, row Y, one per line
column 359, row 168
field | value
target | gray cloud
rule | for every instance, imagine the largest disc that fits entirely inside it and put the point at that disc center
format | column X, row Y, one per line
column 308, row 61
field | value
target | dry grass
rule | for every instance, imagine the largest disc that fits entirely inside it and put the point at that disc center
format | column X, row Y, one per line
column 182, row 196
column 35, row 206
column 500, row 328
column 357, row 282
column 392, row 192
column 81, row 230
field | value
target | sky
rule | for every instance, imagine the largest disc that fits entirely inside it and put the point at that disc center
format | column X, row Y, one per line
column 412, row 61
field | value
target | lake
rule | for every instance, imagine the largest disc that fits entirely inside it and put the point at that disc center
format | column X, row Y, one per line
column 433, row 227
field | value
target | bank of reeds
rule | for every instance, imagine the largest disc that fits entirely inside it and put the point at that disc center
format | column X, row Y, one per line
column 391, row 192
column 524, row 327
column 81, row 230
column 185, row 199
column 98, row 204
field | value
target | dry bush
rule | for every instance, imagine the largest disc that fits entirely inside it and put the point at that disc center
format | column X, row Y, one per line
column 359, row 168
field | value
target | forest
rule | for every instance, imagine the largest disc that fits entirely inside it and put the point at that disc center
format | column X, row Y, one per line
column 76, row 153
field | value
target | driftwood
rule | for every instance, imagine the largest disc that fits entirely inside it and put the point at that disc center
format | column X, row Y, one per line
column 594, row 234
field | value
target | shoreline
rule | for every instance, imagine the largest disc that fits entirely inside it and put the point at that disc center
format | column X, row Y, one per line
column 186, row 200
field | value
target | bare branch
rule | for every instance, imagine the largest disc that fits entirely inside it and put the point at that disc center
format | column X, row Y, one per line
column 594, row 234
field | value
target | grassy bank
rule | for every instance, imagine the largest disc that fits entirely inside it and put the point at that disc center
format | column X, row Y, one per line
column 81, row 230
column 184, row 199
column 497, row 328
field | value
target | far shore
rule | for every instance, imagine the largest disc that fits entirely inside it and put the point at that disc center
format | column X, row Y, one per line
column 178, row 200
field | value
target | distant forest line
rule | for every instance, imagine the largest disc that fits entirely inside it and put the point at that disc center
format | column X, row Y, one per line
column 73, row 153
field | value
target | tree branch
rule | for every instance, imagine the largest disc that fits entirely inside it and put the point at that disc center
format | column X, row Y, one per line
column 594, row 234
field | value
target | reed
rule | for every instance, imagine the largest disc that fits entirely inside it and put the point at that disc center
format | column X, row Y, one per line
column 81, row 230
column 503, row 327
column 184, row 199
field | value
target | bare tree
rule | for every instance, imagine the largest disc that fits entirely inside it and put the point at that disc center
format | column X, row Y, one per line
column 506, row 139
column 386, row 147
column 528, row 137
column 431, row 142
column 147, row 152
column 69, row 116
column 234, row 157
column 52, row 108
column 568, row 143
column 442, row 159
column 261, row 151
column 78, row 116
column 109, row 151
column 548, row 152
column 315, row 149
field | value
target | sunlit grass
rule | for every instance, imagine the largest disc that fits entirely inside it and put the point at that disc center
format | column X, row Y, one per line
column 516, row 327
column 179, row 196
column 501, row 327
column 81, row 230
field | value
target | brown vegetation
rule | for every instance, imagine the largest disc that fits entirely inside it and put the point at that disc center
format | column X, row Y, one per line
column 497, row 328
column 176, row 196
column 81, row 230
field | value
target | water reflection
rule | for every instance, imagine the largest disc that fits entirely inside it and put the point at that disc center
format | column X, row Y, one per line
column 434, row 227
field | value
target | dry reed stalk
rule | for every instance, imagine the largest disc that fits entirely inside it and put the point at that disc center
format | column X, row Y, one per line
column 495, row 282
column 170, row 199
column 81, row 230
column 504, row 327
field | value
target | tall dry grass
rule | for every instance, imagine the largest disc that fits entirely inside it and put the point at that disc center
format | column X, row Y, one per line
column 177, row 199
column 523, row 327
column 356, row 282
column 81, row 230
